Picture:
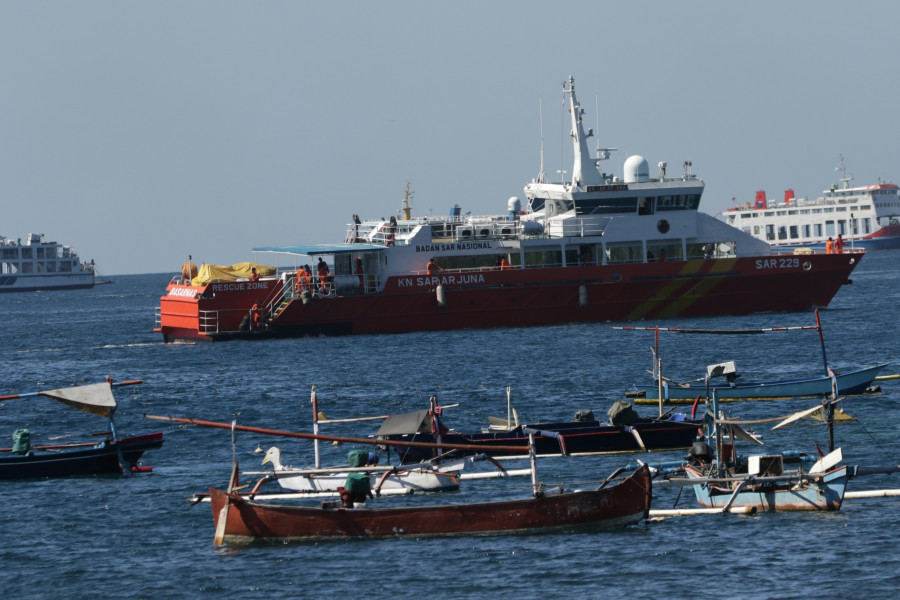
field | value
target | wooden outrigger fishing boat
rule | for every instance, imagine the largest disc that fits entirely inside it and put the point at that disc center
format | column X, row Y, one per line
column 238, row 519
column 241, row 518
column 583, row 437
column 111, row 455
column 724, row 481
column 819, row 385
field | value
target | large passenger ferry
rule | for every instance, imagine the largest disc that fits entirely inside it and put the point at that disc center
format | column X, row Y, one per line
column 595, row 247
column 865, row 217
column 38, row 265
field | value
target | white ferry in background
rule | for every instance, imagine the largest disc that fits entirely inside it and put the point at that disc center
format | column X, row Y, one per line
column 39, row 265
column 867, row 217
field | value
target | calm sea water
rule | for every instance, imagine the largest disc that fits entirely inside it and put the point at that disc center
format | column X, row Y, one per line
column 137, row 537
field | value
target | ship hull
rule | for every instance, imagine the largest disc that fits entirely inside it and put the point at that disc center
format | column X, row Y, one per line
column 40, row 282
column 517, row 298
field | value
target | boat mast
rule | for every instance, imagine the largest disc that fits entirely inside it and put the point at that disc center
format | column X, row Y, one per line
column 405, row 207
column 584, row 171
column 845, row 179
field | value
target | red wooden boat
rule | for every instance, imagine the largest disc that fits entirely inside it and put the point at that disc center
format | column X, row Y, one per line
column 594, row 248
column 238, row 519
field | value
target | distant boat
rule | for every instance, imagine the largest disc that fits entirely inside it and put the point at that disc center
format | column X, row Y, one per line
column 38, row 265
column 111, row 455
column 866, row 217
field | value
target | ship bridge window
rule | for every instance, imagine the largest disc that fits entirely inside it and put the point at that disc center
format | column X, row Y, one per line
column 866, row 207
column 769, row 213
column 782, row 233
column 680, row 202
column 756, row 230
column 866, row 225
column 645, row 206
column 794, row 232
column 818, row 228
column 10, row 254
column 743, row 216
column 829, row 228
column 65, row 266
column 602, row 206
column 805, row 211
column 27, row 254
column 807, row 230
column 842, row 209
column 842, row 227
column 770, row 233
column 536, row 204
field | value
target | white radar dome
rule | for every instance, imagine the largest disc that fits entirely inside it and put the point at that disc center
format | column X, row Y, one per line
column 514, row 204
column 637, row 169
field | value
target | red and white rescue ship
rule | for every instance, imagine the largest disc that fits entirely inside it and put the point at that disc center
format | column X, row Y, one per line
column 596, row 248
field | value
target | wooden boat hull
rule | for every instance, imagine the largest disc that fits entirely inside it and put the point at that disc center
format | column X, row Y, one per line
column 570, row 438
column 825, row 492
column 96, row 460
column 625, row 503
column 854, row 382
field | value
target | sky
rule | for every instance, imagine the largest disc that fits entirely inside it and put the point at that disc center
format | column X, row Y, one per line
column 143, row 132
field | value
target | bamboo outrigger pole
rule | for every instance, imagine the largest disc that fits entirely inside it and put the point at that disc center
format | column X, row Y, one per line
column 333, row 438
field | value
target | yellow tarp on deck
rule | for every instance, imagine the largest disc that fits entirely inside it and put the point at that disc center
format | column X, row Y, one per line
column 209, row 273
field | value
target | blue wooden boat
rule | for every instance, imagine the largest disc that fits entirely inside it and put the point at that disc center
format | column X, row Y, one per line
column 722, row 480
column 785, row 491
column 664, row 389
column 111, row 455
column 849, row 383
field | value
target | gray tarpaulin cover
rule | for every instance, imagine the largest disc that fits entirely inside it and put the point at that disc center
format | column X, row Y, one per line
column 407, row 423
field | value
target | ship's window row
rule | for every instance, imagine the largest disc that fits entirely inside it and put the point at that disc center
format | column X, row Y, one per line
column 645, row 205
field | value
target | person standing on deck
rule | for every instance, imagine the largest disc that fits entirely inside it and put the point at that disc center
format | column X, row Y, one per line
column 839, row 244
column 432, row 266
column 254, row 276
column 829, row 246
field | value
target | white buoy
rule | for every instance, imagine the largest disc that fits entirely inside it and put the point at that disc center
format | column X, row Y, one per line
column 439, row 293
